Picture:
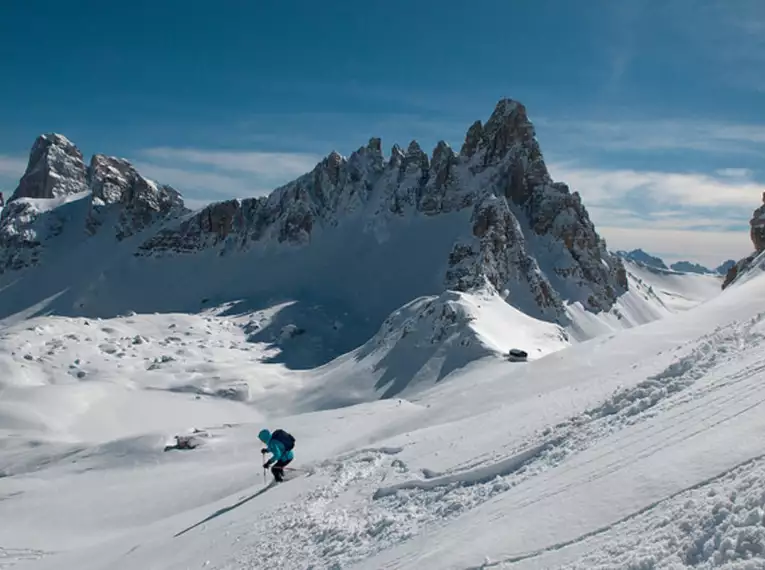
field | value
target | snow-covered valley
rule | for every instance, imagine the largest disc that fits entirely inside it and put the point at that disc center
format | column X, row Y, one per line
column 637, row 449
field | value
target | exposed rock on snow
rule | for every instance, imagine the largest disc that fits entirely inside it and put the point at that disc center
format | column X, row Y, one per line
column 56, row 180
column 55, row 169
column 689, row 267
column 497, row 253
column 530, row 234
column 640, row 256
column 757, row 233
column 140, row 201
column 725, row 266
column 431, row 337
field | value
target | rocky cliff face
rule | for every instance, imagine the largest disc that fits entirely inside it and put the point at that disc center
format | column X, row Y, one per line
column 55, row 169
column 56, row 180
column 139, row 202
column 757, row 234
column 528, row 235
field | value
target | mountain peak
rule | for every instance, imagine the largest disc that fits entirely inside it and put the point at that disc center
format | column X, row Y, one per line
column 54, row 139
column 55, row 169
column 68, row 194
column 472, row 139
column 640, row 256
column 689, row 267
column 725, row 266
column 505, row 108
column 375, row 145
column 416, row 157
column 500, row 175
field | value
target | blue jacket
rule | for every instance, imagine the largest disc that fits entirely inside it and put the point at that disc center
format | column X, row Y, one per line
column 276, row 448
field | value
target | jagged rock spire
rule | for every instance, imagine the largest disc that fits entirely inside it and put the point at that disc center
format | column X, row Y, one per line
column 55, row 169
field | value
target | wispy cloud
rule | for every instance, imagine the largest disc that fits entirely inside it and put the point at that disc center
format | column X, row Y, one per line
column 657, row 135
column 623, row 37
column 12, row 166
column 264, row 164
column 206, row 175
column 195, row 182
column 741, row 173
column 322, row 132
column 660, row 189
column 708, row 248
column 689, row 215
column 11, row 169
column 726, row 36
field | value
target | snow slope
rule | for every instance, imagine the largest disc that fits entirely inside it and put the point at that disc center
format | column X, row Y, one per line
column 642, row 448
column 677, row 291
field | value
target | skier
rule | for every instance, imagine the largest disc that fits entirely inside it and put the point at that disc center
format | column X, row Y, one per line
column 280, row 445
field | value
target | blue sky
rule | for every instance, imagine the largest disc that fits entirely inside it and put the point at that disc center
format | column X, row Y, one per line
column 654, row 110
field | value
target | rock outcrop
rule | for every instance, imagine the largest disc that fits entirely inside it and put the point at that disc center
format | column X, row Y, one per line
column 757, row 235
column 528, row 234
column 640, row 256
column 55, row 169
column 689, row 267
column 725, row 266
column 141, row 202
column 56, row 183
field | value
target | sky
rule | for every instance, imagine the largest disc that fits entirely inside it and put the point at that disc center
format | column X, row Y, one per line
column 654, row 110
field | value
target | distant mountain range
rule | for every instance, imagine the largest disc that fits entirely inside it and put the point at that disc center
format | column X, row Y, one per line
column 640, row 256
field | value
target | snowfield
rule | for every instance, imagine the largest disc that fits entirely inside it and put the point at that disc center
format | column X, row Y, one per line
column 642, row 448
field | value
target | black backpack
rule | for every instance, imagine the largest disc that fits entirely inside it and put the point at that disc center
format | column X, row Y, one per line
column 284, row 438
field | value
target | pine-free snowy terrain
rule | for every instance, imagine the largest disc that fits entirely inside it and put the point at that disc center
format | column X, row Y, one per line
column 368, row 307
column 642, row 448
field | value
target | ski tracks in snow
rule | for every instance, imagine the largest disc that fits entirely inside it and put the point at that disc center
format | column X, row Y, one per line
column 333, row 524
column 350, row 515
column 684, row 388
column 704, row 526
column 9, row 557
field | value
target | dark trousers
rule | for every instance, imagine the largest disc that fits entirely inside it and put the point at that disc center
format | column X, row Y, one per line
column 278, row 469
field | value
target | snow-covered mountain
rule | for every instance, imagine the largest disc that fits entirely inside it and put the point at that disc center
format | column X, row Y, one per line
column 340, row 248
column 368, row 308
column 675, row 290
column 689, row 267
column 725, row 266
column 684, row 266
column 637, row 449
column 59, row 202
column 640, row 256
column 492, row 214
